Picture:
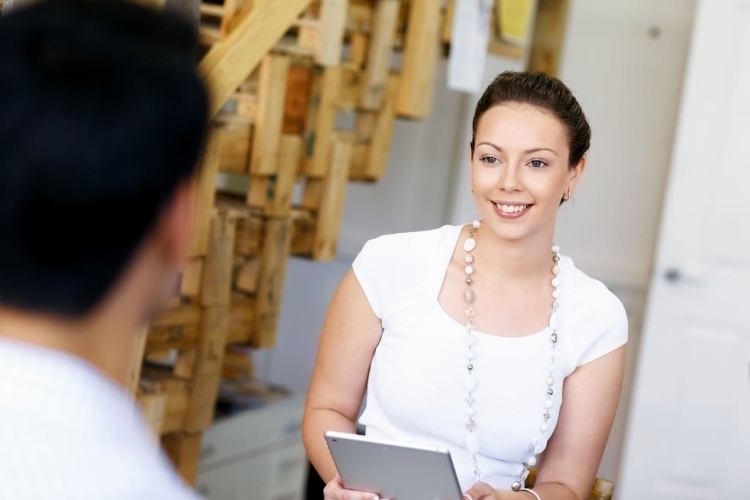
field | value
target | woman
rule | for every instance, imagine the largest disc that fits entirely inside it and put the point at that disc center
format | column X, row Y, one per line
column 470, row 338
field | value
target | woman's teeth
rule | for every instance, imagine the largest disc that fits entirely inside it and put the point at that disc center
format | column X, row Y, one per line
column 511, row 209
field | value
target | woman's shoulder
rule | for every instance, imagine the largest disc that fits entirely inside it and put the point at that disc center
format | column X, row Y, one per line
column 592, row 307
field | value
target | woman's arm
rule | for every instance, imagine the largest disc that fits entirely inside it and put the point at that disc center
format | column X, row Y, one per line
column 590, row 397
column 350, row 335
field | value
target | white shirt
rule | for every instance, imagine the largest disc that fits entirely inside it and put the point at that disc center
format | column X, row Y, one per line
column 415, row 390
column 69, row 433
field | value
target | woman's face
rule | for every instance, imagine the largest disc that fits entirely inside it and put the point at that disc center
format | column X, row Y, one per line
column 520, row 170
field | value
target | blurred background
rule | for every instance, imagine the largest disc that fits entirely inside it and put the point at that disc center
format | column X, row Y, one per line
column 337, row 121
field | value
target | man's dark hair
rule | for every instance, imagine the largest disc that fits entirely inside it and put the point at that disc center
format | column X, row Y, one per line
column 102, row 115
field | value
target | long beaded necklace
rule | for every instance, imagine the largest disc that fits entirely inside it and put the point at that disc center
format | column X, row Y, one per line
column 470, row 381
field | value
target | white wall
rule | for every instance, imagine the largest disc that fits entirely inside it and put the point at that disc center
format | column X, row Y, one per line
column 624, row 60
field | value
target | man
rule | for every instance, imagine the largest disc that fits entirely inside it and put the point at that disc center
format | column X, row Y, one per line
column 101, row 124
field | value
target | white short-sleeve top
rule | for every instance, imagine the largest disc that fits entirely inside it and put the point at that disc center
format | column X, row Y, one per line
column 415, row 388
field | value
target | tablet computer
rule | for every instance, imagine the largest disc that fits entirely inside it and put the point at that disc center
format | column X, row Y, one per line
column 393, row 470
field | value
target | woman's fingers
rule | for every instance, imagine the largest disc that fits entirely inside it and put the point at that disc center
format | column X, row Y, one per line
column 480, row 491
column 335, row 490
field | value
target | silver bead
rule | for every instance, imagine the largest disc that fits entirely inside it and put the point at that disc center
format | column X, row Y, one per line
column 516, row 485
column 553, row 338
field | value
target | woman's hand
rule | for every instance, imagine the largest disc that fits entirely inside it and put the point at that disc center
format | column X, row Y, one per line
column 335, row 490
column 481, row 491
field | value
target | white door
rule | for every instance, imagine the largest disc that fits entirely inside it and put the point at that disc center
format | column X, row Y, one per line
column 688, row 435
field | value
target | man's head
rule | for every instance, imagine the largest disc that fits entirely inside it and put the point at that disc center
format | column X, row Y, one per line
column 102, row 119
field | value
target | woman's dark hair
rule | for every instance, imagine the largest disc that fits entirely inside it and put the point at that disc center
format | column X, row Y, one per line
column 543, row 91
column 102, row 115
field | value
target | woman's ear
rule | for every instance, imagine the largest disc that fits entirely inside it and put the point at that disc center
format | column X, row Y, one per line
column 574, row 174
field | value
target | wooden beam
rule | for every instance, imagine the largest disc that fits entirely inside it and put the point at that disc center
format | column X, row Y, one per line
column 136, row 360
column 379, row 148
column 420, row 59
column 270, row 115
column 332, row 204
column 271, row 285
column 549, row 35
column 184, row 450
column 380, row 53
column 322, row 121
column 205, row 196
column 331, row 32
column 217, row 270
column 273, row 194
column 231, row 61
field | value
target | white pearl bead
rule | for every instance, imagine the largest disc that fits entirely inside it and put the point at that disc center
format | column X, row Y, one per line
column 469, row 296
column 531, row 461
column 544, row 427
column 550, row 380
column 470, row 244
column 555, row 282
column 555, row 294
column 548, row 404
column 469, row 354
column 470, row 383
column 469, row 340
column 470, row 412
column 472, row 443
column 555, row 249
column 477, row 223
column 468, row 258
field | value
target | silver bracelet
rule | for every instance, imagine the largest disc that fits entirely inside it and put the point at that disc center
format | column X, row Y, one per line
column 527, row 490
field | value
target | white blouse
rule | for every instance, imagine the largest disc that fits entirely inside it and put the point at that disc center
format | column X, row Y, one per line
column 415, row 389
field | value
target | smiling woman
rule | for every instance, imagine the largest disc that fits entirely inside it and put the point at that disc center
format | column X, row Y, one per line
column 467, row 337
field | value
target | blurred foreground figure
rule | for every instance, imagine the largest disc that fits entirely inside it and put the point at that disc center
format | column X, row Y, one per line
column 101, row 125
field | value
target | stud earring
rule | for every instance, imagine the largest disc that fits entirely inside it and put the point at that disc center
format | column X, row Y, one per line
column 472, row 189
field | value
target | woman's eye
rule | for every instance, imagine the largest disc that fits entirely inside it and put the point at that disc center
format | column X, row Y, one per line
column 489, row 159
column 537, row 163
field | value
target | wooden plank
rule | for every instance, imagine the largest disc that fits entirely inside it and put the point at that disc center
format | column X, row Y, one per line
column 358, row 47
column 380, row 143
column 270, row 115
column 169, row 337
column 190, row 284
column 331, row 32
column 207, row 370
column 332, row 203
column 303, row 233
column 247, row 277
column 231, row 61
column 249, row 236
column 358, row 167
column 242, row 321
column 549, row 36
column 380, row 53
column 136, row 360
column 235, row 144
column 271, row 282
column 273, row 194
column 154, row 408
column 313, row 194
column 422, row 49
column 446, row 31
column 217, row 271
column 351, row 87
column 185, row 314
column 184, row 450
column 322, row 121
column 205, row 196
column 297, row 101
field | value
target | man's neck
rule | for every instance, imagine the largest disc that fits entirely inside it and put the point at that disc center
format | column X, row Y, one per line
column 105, row 344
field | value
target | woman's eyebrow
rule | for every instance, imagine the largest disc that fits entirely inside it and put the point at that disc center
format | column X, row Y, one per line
column 528, row 151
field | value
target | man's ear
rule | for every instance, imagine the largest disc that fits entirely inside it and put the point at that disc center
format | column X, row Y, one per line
column 176, row 224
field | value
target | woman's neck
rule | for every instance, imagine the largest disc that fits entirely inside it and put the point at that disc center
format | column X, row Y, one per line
column 519, row 261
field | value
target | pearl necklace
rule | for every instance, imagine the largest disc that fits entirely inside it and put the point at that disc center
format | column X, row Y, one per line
column 470, row 382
